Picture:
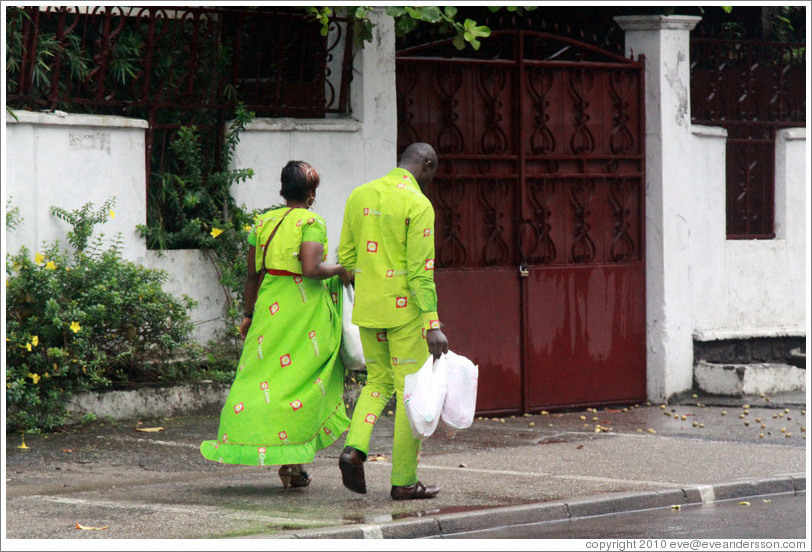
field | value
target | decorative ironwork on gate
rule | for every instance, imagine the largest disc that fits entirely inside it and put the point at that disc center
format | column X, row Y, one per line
column 751, row 89
column 541, row 156
column 539, row 203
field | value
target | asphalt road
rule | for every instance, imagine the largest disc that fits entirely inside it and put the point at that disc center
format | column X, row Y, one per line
column 765, row 517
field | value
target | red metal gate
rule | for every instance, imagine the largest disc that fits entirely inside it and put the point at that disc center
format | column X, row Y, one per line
column 539, row 199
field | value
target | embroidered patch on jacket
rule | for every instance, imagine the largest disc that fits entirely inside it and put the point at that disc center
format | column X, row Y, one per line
column 401, row 302
column 371, row 418
column 274, row 308
column 296, row 405
column 372, row 246
column 284, row 360
column 430, row 264
column 381, row 336
column 238, row 408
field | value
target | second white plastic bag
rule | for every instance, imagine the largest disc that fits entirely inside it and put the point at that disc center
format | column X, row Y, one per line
column 462, row 377
column 423, row 397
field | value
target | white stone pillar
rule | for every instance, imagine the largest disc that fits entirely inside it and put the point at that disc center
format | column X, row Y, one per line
column 664, row 40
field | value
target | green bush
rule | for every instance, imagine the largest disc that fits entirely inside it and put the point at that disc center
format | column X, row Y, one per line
column 83, row 321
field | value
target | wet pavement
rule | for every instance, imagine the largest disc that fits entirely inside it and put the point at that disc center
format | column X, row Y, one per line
column 524, row 469
column 726, row 519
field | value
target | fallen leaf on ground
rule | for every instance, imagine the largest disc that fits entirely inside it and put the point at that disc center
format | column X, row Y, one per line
column 676, row 507
column 376, row 458
column 744, row 503
column 149, row 429
column 23, row 446
column 766, row 500
column 87, row 528
column 463, row 466
column 68, row 450
column 579, row 447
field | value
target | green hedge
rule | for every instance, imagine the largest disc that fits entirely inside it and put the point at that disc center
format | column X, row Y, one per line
column 83, row 321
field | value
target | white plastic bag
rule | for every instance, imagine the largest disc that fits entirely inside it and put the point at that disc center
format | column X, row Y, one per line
column 462, row 376
column 351, row 351
column 423, row 397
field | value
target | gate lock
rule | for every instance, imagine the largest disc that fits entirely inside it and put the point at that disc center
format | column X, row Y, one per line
column 523, row 272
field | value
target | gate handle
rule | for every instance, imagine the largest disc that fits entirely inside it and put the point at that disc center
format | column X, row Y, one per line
column 523, row 272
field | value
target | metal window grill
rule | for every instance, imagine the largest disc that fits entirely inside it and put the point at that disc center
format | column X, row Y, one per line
column 752, row 89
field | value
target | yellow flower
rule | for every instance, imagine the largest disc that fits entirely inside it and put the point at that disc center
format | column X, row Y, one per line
column 39, row 257
column 247, row 227
column 34, row 377
column 51, row 265
column 215, row 232
column 75, row 327
column 112, row 214
column 28, row 346
column 35, row 340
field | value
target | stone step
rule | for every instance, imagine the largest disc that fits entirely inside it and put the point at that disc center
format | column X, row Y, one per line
column 748, row 379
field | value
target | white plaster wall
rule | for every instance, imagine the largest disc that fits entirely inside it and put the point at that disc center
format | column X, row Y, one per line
column 191, row 273
column 708, row 276
column 765, row 279
column 66, row 161
column 750, row 288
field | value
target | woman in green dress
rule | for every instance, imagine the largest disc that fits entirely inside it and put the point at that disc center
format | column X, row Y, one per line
column 286, row 401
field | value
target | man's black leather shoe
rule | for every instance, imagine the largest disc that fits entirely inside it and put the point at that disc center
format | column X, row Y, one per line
column 351, row 464
column 413, row 492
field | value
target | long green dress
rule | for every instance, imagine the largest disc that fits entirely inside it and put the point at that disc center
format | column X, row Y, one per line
column 286, row 401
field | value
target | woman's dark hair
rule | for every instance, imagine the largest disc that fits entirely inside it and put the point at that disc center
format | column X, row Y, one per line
column 298, row 180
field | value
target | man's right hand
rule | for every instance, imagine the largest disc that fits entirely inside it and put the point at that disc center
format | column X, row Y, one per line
column 437, row 342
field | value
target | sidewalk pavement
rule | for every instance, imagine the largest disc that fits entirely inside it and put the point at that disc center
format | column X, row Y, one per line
column 502, row 471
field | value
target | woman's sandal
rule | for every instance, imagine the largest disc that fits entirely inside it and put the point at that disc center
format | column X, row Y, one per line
column 299, row 477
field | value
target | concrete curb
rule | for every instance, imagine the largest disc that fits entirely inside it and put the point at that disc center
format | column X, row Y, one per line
column 491, row 518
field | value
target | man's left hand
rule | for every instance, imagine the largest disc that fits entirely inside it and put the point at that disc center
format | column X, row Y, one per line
column 437, row 342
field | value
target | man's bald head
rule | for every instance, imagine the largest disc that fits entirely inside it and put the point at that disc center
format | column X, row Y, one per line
column 420, row 159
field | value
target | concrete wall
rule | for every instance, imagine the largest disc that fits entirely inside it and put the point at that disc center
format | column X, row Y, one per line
column 763, row 289
column 700, row 285
column 68, row 160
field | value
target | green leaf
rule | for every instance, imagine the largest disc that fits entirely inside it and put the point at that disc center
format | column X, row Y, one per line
column 395, row 11
column 405, row 25
column 430, row 14
column 458, row 42
column 451, row 11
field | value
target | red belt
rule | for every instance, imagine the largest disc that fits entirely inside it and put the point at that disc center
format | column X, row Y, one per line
column 274, row 272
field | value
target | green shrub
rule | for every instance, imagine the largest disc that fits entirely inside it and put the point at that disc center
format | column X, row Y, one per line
column 83, row 321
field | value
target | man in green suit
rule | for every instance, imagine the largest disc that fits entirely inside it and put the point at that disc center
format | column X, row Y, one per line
column 387, row 239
